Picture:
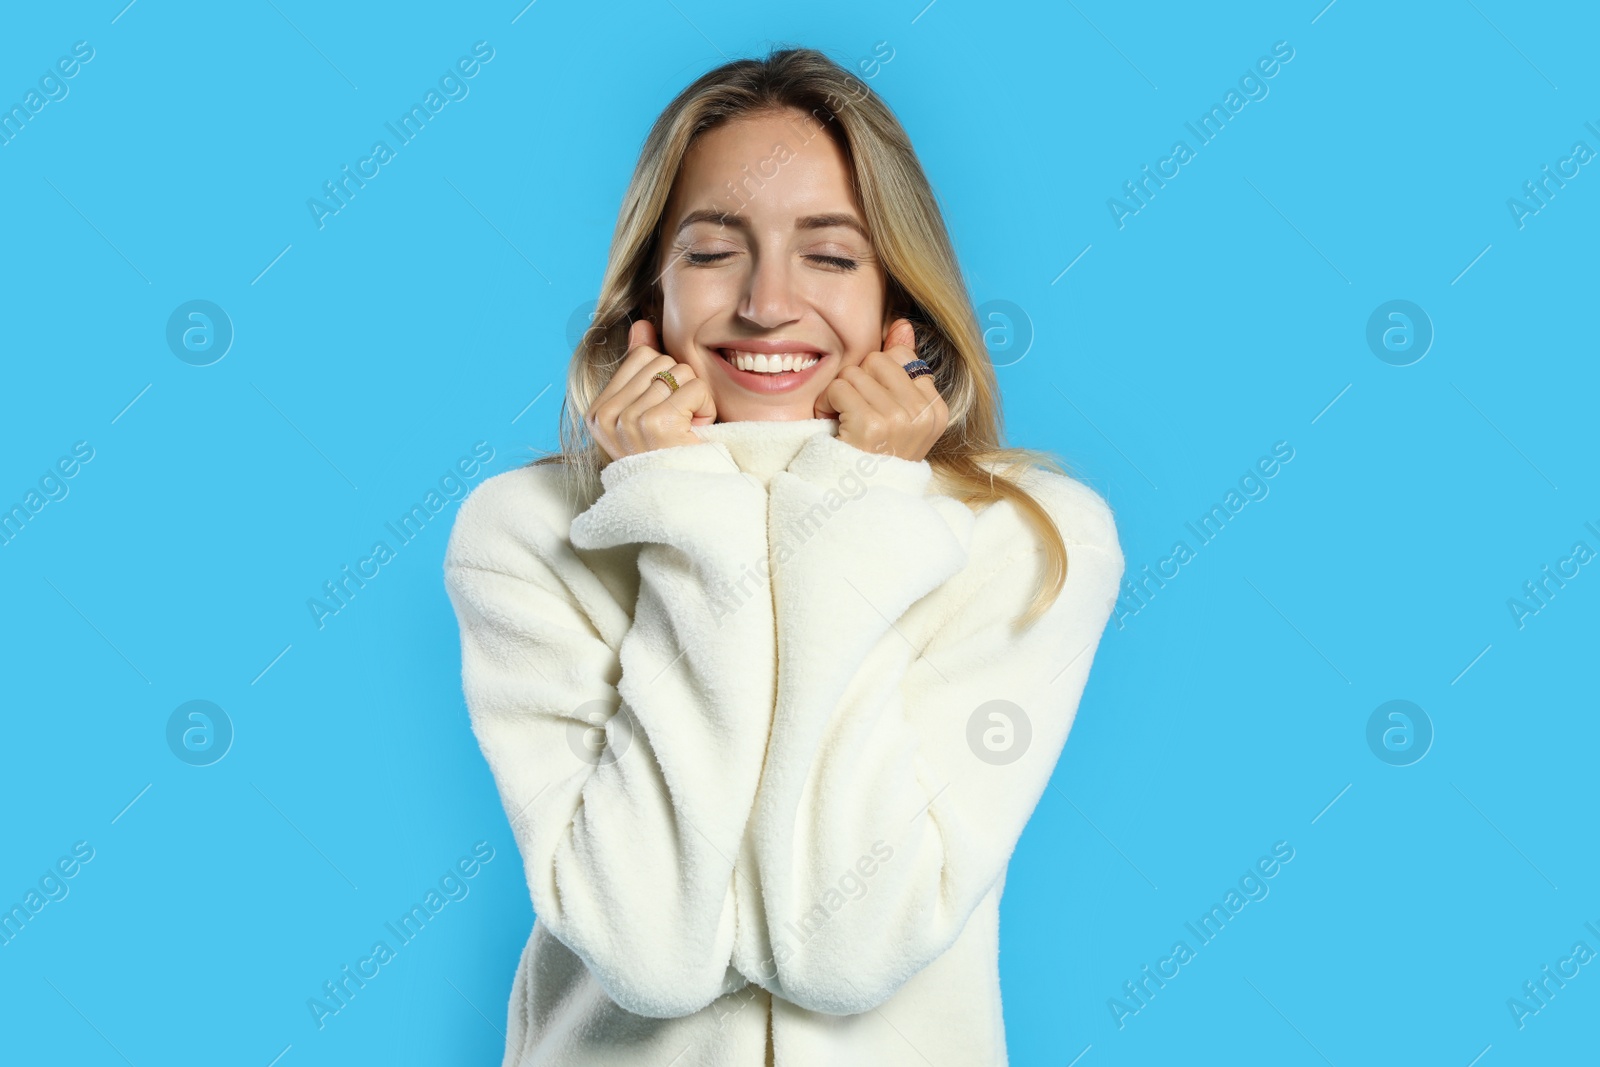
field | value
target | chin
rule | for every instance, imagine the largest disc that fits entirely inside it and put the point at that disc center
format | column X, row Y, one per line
column 767, row 413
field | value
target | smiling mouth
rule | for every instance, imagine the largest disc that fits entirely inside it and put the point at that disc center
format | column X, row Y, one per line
column 761, row 363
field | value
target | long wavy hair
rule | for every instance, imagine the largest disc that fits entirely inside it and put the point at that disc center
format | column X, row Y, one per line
column 925, row 284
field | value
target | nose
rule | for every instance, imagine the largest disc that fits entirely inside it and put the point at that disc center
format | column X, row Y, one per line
column 769, row 297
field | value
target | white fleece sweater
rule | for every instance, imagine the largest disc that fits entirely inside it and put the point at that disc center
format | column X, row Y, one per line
column 791, row 846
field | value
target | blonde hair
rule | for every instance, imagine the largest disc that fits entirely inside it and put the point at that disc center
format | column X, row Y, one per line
column 925, row 283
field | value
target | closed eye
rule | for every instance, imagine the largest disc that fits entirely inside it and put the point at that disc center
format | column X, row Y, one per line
column 836, row 261
column 705, row 258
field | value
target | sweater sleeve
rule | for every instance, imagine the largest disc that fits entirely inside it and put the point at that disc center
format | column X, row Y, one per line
column 626, row 751
column 899, row 779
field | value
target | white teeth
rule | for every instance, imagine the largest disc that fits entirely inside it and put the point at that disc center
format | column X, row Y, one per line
column 761, row 363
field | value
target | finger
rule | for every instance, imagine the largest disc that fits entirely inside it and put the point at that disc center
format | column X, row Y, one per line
column 869, row 382
column 645, row 383
column 902, row 335
column 625, row 385
column 899, row 393
column 900, row 346
column 630, row 383
column 823, row 407
column 703, row 411
column 670, row 422
column 649, row 389
column 643, row 358
column 898, row 330
column 845, row 401
column 861, row 422
column 826, row 406
column 646, row 393
column 643, row 332
column 643, row 346
column 640, row 351
column 929, row 403
column 635, row 378
column 899, row 349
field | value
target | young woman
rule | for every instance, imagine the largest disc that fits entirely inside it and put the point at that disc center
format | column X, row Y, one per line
column 772, row 664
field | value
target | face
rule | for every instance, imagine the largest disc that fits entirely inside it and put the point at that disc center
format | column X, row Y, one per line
column 768, row 279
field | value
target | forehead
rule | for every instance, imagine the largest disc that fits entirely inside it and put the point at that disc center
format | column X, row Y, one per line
column 770, row 167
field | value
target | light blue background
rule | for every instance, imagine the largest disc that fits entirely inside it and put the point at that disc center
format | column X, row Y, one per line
column 432, row 313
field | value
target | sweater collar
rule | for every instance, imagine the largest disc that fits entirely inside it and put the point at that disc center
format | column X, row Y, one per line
column 765, row 446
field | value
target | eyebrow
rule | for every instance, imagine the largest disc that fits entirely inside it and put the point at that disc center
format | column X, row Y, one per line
column 806, row 222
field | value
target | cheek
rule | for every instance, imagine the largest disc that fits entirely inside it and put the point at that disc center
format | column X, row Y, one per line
column 689, row 303
column 856, row 318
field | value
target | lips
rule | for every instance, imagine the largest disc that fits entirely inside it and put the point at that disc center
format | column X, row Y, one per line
column 769, row 347
column 777, row 357
column 763, row 363
column 770, row 367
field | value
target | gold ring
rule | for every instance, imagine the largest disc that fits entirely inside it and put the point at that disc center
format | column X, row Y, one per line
column 666, row 376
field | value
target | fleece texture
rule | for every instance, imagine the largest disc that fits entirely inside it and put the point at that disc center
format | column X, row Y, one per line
column 766, row 737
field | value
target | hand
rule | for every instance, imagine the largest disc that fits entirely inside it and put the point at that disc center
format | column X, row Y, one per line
column 880, row 408
column 638, row 412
